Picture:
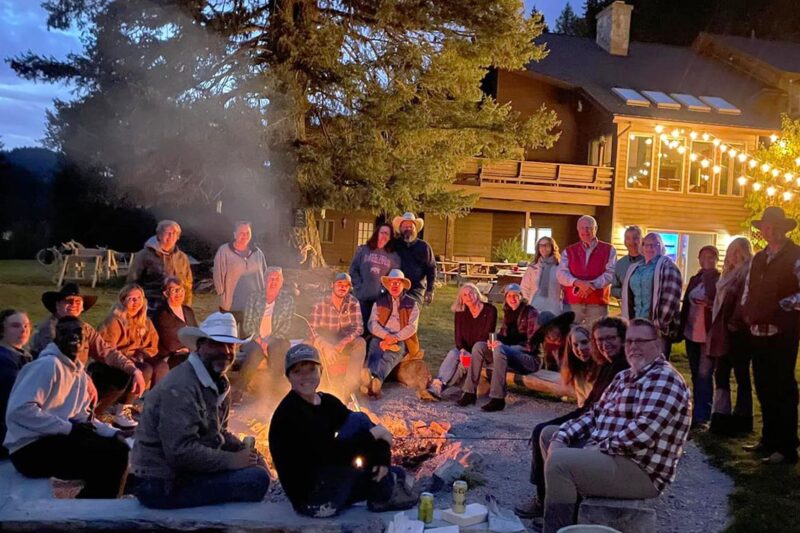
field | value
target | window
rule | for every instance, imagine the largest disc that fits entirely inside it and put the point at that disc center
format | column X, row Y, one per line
column 364, row 232
column 532, row 237
column 731, row 169
column 670, row 164
column 640, row 161
column 325, row 228
column 701, row 168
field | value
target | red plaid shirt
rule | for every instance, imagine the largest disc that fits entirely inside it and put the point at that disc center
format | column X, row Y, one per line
column 343, row 324
column 645, row 418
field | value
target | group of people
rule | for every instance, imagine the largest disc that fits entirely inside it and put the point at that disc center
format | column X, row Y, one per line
column 67, row 392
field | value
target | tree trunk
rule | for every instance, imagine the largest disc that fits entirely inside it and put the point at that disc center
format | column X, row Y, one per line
column 308, row 242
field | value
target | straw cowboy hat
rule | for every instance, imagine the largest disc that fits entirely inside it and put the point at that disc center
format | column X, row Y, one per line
column 396, row 273
column 396, row 221
column 220, row 327
column 774, row 215
column 50, row 298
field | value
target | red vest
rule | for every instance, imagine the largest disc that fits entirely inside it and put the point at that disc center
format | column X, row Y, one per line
column 596, row 267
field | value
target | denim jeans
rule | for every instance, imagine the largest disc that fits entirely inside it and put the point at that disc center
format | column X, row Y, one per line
column 194, row 490
column 380, row 362
column 510, row 358
column 702, row 368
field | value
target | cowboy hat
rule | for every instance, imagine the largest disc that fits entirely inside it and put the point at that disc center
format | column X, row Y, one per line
column 546, row 318
column 396, row 273
column 411, row 217
column 220, row 327
column 50, row 298
column 775, row 216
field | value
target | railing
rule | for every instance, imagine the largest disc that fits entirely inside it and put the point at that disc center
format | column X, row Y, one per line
column 535, row 173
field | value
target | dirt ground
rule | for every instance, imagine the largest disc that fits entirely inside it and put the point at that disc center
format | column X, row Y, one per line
column 501, row 439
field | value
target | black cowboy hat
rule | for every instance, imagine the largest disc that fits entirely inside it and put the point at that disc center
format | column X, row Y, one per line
column 546, row 318
column 775, row 216
column 50, row 298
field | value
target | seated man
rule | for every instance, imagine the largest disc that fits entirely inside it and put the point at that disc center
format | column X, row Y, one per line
column 328, row 457
column 50, row 427
column 633, row 437
column 112, row 373
column 184, row 456
column 336, row 328
column 513, row 349
column 393, row 324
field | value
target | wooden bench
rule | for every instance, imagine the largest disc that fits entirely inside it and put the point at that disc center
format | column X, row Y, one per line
column 546, row 381
column 627, row 516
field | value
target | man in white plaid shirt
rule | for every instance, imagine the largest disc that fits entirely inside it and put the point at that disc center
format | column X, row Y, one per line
column 628, row 445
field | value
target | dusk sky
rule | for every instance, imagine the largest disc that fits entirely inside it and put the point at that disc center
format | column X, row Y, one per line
column 23, row 27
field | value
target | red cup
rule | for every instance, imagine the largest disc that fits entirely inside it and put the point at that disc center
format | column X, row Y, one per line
column 466, row 359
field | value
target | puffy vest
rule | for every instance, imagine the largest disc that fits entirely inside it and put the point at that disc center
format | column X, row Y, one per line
column 384, row 311
column 769, row 284
column 596, row 267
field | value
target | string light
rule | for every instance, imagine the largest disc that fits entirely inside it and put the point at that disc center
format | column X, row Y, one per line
column 770, row 191
column 757, row 186
column 742, row 181
column 693, row 135
column 716, row 169
column 659, row 128
column 706, row 136
column 788, row 177
column 775, row 172
column 742, row 157
column 787, row 195
column 773, row 137
column 753, row 163
column 765, row 167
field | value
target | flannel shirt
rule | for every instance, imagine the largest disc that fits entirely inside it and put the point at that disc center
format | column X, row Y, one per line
column 281, row 316
column 527, row 324
column 666, row 304
column 344, row 325
column 645, row 418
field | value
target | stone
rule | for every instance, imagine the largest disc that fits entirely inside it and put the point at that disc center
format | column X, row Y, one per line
column 449, row 471
column 471, row 459
column 627, row 516
column 15, row 485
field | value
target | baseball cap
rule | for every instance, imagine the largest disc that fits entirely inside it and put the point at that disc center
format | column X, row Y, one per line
column 299, row 353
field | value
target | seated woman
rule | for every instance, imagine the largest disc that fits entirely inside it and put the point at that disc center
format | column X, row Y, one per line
column 328, row 457
column 15, row 331
column 474, row 321
column 590, row 363
column 549, row 340
column 171, row 316
column 128, row 330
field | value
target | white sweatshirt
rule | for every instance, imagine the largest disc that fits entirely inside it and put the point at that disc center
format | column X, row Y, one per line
column 47, row 394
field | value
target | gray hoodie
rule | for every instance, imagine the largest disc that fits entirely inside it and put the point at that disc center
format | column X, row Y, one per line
column 237, row 276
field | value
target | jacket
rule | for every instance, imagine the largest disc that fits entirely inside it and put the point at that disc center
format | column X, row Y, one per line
column 519, row 326
column 710, row 293
column 237, row 276
column 136, row 343
column 281, row 315
column 620, row 269
column 408, row 310
column 554, row 302
column 151, row 266
column 666, row 300
column 183, row 428
column 418, row 264
column 366, row 269
column 11, row 361
column 167, row 325
column 726, row 315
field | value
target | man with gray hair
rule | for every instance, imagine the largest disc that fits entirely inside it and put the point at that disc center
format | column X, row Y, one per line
column 633, row 243
column 159, row 259
column 586, row 271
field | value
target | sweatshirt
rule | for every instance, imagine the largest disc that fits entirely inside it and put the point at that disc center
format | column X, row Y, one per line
column 152, row 265
column 418, row 264
column 237, row 276
column 49, row 393
column 366, row 269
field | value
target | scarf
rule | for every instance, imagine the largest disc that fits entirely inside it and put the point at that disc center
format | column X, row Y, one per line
column 546, row 265
column 725, row 283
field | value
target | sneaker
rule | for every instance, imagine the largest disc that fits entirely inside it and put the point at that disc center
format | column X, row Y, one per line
column 778, row 458
column 467, row 398
column 403, row 495
column 435, row 388
column 758, row 447
column 123, row 417
column 532, row 508
column 494, row 404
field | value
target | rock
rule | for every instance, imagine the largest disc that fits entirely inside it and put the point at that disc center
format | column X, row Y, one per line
column 449, row 471
column 470, row 459
column 627, row 516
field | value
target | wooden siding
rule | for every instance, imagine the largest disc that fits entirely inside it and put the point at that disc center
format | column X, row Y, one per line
column 473, row 235
column 507, row 226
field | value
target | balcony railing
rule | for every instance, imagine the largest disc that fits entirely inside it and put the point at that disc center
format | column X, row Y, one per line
column 537, row 181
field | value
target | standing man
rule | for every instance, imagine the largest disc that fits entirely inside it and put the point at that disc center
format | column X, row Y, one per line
column 416, row 257
column 586, row 271
column 336, row 328
column 633, row 242
column 771, row 301
column 239, row 270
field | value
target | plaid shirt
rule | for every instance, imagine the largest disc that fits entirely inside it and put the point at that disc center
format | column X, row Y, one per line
column 527, row 323
column 645, row 418
column 666, row 305
column 345, row 324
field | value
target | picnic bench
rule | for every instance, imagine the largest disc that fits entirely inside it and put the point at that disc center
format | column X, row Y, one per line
column 94, row 264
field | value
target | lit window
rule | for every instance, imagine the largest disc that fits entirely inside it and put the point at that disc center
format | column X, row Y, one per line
column 533, row 236
column 701, row 167
column 732, row 169
column 670, row 164
column 640, row 161
column 365, row 230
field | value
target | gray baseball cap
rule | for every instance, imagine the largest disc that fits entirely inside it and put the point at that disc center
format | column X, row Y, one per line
column 299, row 353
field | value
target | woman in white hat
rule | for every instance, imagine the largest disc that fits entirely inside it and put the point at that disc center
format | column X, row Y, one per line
column 416, row 257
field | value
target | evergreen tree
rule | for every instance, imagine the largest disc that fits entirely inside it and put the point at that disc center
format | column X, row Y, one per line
column 568, row 23
column 539, row 17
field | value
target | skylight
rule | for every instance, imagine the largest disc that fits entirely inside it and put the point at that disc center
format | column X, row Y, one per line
column 721, row 105
column 631, row 97
column 661, row 99
column 691, row 102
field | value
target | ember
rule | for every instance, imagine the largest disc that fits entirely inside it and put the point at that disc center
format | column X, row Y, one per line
column 414, row 442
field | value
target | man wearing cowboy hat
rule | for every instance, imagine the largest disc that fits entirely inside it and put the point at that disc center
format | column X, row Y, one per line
column 111, row 372
column 771, row 301
column 184, row 456
column 393, row 324
column 336, row 328
column 416, row 257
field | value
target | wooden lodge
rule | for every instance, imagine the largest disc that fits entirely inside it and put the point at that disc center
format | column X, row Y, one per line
column 647, row 137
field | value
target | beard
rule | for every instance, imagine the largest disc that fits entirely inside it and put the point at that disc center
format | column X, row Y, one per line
column 409, row 235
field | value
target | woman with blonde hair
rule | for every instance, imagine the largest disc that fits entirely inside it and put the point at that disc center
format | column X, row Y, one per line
column 727, row 344
column 474, row 319
column 539, row 284
column 128, row 330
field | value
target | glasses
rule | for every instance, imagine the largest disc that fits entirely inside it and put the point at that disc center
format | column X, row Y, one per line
column 176, row 290
column 604, row 340
column 634, row 342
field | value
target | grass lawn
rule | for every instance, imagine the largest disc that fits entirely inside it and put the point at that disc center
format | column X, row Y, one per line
column 765, row 499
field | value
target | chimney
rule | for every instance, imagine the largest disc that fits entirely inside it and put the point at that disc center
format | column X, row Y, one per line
column 614, row 28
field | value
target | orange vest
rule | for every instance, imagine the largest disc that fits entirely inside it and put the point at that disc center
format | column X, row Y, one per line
column 406, row 305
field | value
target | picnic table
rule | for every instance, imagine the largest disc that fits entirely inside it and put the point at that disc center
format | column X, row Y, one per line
column 93, row 264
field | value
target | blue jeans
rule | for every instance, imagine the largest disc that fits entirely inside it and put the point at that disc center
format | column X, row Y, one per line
column 702, row 368
column 381, row 363
column 510, row 358
column 245, row 485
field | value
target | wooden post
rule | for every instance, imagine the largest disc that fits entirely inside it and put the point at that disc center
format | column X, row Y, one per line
column 525, row 230
column 449, row 235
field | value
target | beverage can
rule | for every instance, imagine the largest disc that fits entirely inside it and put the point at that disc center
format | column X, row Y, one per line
column 249, row 442
column 425, row 510
column 459, row 496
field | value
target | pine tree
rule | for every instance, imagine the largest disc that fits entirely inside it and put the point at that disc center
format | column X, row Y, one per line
column 568, row 23
column 539, row 17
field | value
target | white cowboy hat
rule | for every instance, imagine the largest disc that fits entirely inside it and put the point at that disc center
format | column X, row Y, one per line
column 396, row 221
column 220, row 327
column 396, row 273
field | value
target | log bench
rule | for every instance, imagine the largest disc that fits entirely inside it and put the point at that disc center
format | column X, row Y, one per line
column 546, row 381
column 627, row 516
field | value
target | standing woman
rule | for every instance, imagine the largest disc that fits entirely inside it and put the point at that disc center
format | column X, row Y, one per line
column 128, row 330
column 372, row 261
column 171, row 316
column 652, row 290
column 15, row 331
column 727, row 343
column 696, row 322
column 239, row 269
column 539, row 284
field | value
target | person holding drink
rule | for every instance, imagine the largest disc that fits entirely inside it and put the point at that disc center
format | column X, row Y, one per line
column 475, row 320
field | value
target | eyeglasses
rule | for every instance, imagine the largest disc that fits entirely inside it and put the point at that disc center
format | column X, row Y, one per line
column 633, row 342
column 610, row 338
column 175, row 290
